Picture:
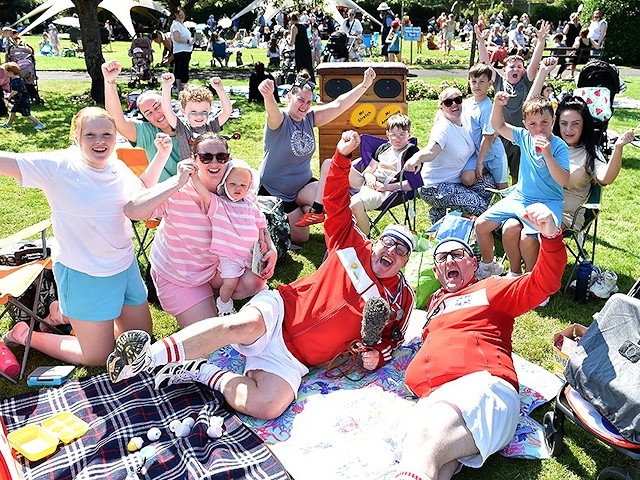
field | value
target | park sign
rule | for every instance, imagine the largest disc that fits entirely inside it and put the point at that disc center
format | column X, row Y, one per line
column 412, row 34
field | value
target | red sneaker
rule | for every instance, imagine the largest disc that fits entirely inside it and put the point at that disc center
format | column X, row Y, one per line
column 310, row 218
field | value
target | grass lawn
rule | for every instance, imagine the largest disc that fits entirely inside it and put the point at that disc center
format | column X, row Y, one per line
column 618, row 250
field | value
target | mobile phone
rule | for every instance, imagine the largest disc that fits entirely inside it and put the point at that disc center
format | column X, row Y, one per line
column 50, row 376
column 256, row 261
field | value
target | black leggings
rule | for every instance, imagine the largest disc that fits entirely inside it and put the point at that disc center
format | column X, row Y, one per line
column 181, row 66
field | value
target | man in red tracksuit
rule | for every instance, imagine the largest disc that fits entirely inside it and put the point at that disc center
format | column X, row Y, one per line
column 282, row 332
column 463, row 373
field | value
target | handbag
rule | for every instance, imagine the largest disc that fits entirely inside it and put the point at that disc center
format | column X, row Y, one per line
column 605, row 366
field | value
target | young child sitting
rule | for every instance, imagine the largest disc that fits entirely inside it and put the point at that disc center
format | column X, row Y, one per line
column 19, row 96
column 544, row 170
column 382, row 176
column 476, row 118
column 239, row 225
column 195, row 105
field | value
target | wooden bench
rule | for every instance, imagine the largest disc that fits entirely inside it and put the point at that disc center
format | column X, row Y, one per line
column 564, row 53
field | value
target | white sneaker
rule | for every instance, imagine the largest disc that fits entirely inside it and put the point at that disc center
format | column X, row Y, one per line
column 487, row 269
column 511, row 274
column 605, row 285
column 130, row 355
column 179, row 372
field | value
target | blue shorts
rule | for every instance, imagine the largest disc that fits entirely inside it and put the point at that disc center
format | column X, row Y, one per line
column 513, row 206
column 98, row 299
column 496, row 166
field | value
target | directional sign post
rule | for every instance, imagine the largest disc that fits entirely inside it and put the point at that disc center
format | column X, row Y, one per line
column 412, row 34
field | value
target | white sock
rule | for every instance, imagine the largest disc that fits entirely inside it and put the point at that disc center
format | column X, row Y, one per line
column 224, row 307
column 166, row 351
column 212, row 376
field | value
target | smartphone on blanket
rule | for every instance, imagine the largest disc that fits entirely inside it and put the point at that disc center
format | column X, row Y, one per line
column 50, row 376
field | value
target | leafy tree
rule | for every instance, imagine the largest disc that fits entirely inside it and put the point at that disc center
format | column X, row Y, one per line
column 623, row 18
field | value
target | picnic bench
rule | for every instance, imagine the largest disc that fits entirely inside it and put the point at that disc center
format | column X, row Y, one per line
column 564, row 53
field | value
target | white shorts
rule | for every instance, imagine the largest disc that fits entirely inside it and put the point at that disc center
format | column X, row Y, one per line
column 269, row 353
column 370, row 198
column 490, row 407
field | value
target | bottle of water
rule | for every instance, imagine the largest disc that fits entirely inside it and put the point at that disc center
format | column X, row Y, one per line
column 8, row 363
column 582, row 282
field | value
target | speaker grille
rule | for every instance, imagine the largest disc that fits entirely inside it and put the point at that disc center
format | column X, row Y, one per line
column 387, row 88
column 336, row 87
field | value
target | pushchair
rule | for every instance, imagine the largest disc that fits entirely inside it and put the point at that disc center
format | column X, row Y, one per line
column 336, row 48
column 596, row 369
column 23, row 56
column 141, row 54
column 288, row 73
column 598, row 74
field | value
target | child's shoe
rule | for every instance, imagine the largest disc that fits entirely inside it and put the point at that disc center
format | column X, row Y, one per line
column 40, row 127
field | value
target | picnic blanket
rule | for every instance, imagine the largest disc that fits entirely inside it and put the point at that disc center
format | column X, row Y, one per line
column 344, row 429
column 117, row 412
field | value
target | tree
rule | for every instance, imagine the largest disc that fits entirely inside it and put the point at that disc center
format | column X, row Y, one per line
column 90, row 32
column 623, row 18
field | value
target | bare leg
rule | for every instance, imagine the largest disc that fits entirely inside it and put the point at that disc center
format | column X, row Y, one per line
column 298, row 234
column 530, row 248
column 468, row 177
column 258, row 393
column 484, row 234
column 438, row 437
column 200, row 311
column 360, row 214
column 227, row 288
column 133, row 317
column 511, row 243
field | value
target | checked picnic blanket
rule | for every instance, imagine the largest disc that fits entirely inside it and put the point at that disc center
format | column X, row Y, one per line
column 117, row 412
column 343, row 429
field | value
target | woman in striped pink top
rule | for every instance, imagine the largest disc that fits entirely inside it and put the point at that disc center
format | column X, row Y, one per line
column 184, row 264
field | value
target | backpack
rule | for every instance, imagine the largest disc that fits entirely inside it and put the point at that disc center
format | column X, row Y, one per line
column 19, row 254
column 277, row 223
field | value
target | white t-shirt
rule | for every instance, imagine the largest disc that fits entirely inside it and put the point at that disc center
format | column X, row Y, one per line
column 184, row 35
column 457, row 146
column 351, row 27
column 87, row 209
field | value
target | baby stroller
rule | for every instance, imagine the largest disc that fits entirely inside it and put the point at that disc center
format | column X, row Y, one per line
column 601, row 373
column 288, row 74
column 23, row 56
column 141, row 54
column 336, row 49
column 598, row 84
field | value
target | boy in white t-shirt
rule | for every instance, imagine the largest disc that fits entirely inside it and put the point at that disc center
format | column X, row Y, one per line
column 382, row 175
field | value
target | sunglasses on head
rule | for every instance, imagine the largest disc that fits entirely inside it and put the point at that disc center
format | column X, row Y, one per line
column 447, row 102
column 302, row 82
column 206, row 158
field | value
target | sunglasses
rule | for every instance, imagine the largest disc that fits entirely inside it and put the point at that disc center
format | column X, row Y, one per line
column 456, row 254
column 206, row 158
column 401, row 248
column 303, row 82
column 447, row 102
column 198, row 114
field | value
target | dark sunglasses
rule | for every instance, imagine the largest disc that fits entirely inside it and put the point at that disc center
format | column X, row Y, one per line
column 457, row 254
column 401, row 248
column 303, row 82
column 447, row 102
column 206, row 158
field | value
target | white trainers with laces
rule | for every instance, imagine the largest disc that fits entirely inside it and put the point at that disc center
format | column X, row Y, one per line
column 130, row 355
column 179, row 372
column 487, row 269
column 605, row 285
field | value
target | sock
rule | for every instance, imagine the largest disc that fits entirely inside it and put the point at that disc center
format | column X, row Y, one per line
column 167, row 351
column 317, row 207
column 212, row 375
column 18, row 334
column 407, row 475
column 224, row 307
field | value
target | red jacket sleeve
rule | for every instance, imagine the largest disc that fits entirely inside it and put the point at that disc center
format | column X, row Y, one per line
column 339, row 227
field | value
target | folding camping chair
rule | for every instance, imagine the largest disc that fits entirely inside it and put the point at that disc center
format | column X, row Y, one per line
column 578, row 235
column 137, row 160
column 368, row 146
column 16, row 279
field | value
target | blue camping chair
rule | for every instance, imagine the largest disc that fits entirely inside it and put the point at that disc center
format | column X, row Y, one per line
column 407, row 199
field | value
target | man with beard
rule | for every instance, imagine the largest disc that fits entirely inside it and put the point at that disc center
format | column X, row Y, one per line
column 463, row 374
column 141, row 134
column 285, row 331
